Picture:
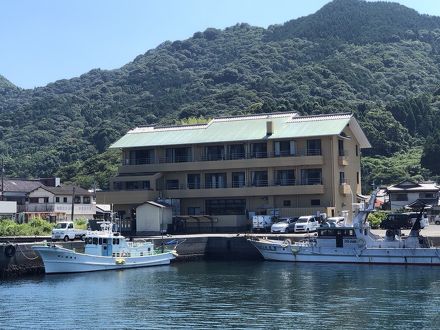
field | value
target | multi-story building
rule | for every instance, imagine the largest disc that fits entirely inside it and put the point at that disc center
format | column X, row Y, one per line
column 48, row 199
column 231, row 168
column 58, row 203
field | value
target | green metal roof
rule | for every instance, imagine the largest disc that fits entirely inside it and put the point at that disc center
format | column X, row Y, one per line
column 236, row 129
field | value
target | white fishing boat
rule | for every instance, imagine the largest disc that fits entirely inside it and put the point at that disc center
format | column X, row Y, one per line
column 354, row 244
column 104, row 250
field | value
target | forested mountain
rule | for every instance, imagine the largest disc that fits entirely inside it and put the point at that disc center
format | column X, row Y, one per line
column 379, row 60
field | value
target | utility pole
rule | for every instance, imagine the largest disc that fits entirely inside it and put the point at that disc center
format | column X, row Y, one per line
column 73, row 203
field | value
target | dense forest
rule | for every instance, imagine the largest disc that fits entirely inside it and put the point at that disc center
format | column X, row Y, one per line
column 377, row 60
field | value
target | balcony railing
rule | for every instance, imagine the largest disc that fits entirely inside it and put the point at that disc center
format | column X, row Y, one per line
column 55, row 207
column 285, row 182
column 310, row 181
column 218, row 157
column 139, row 161
column 255, row 183
column 313, row 152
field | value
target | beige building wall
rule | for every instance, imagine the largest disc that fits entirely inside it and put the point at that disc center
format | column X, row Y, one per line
column 331, row 197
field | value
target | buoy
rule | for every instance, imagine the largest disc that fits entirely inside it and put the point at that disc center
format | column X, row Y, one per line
column 120, row 261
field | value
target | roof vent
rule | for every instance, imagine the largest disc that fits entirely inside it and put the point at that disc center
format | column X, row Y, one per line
column 269, row 128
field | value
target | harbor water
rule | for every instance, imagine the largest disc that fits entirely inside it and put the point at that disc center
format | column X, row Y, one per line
column 220, row 294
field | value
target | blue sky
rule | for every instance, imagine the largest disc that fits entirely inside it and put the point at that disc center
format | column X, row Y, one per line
column 42, row 41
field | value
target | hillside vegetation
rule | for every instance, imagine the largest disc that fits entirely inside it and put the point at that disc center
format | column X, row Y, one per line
column 378, row 60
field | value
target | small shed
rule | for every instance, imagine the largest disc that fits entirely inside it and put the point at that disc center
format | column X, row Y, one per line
column 153, row 218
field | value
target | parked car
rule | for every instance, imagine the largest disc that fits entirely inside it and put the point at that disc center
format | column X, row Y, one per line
column 66, row 231
column 403, row 221
column 306, row 223
column 284, row 225
column 333, row 222
column 437, row 220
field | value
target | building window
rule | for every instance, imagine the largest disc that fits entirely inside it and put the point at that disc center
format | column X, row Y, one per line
column 285, row 178
column 193, row 181
column 315, row 202
column 357, row 150
column 259, row 178
column 357, row 178
column 238, row 179
column 57, row 199
column 215, row 180
column 314, row 147
column 64, row 199
column 77, row 199
column 286, row 203
column 33, row 200
column 139, row 157
column 215, row 152
column 172, row 184
column 178, row 155
column 342, row 178
column 146, row 185
column 225, row 206
column 284, row 148
column 401, row 197
column 341, row 147
column 132, row 185
column 259, row 150
column 194, row 211
column 86, row 200
column 117, row 185
column 236, row 151
column 311, row 176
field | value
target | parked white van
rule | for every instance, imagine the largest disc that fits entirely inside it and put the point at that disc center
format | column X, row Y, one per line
column 306, row 223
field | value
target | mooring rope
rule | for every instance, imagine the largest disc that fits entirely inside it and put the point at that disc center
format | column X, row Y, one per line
column 24, row 255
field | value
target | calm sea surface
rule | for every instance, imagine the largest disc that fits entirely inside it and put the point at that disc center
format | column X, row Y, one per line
column 228, row 295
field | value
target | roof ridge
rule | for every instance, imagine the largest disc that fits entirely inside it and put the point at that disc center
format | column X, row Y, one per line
column 148, row 129
column 321, row 117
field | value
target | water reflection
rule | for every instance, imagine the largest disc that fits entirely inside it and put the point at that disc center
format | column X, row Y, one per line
column 228, row 294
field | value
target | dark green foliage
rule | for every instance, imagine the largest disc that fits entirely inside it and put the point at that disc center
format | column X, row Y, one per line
column 377, row 60
column 35, row 227
column 357, row 22
column 431, row 154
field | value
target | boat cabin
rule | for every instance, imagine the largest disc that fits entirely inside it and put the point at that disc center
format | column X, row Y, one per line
column 109, row 244
column 336, row 236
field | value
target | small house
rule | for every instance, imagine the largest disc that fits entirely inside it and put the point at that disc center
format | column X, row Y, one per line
column 407, row 192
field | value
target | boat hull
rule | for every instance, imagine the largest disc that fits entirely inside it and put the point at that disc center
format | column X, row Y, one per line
column 60, row 260
column 294, row 253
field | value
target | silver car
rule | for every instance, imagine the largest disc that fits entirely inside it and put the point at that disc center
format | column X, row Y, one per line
column 284, row 225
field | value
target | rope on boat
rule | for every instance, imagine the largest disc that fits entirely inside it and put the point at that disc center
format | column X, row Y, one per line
column 24, row 255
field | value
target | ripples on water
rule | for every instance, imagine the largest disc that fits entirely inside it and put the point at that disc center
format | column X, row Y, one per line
column 228, row 295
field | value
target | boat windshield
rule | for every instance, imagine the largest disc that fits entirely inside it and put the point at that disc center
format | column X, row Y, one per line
column 61, row 225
